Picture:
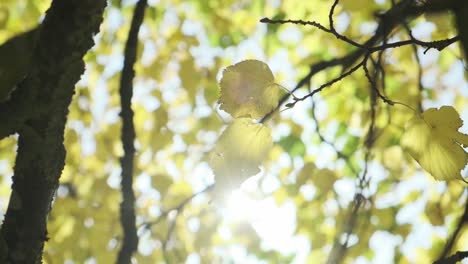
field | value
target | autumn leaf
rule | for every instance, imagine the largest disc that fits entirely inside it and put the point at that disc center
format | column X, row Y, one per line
column 239, row 152
column 433, row 140
column 248, row 89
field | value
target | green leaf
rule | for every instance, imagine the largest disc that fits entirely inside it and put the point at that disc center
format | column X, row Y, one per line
column 351, row 145
column 293, row 145
column 248, row 89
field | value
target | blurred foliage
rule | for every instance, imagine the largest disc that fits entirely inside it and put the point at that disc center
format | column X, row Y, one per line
column 297, row 206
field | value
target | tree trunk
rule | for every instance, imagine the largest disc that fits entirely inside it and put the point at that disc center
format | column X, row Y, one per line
column 39, row 109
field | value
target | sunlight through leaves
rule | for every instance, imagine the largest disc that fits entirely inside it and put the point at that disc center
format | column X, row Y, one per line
column 433, row 140
column 248, row 89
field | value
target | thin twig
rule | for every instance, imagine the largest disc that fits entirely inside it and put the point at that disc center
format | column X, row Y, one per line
column 453, row 238
column 373, row 84
column 459, row 256
column 388, row 21
column 418, row 62
column 179, row 207
column 317, row 25
column 166, row 241
column 338, row 152
column 329, row 83
column 330, row 15
column 436, row 44
column 339, row 249
column 338, row 35
column 177, row 210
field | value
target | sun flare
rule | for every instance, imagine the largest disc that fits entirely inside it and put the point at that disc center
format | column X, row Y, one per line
column 274, row 223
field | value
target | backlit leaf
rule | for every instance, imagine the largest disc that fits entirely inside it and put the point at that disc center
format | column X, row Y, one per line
column 248, row 89
column 433, row 140
column 239, row 151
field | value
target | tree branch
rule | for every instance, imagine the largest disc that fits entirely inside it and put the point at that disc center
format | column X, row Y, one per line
column 66, row 35
column 339, row 249
column 179, row 207
column 461, row 19
column 459, row 256
column 453, row 238
column 338, row 152
column 420, row 68
column 178, row 210
column 127, row 206
column 388, row 21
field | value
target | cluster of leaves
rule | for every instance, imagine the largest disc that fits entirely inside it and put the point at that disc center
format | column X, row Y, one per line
column 337, row 157
column 247, row 91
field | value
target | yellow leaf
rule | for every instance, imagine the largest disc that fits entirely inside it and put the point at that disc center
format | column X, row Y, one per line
column 305, row 173
column 178, row 192
column 239, row 151
column 248, row 89
column 190, row 76
column 392, row 158
column 443, row 24
column 433, row 140
column 355, row 5
column 324, row 180
column 386, row 217
column 434, row 214
column 65, row 229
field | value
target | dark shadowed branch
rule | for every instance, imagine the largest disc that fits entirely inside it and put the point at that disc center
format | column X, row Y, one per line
column 419, row 66
column 127, row 206
column 461, row 19
column 38, row 112
column 454, row 236
column 373, row 85
column 388, row 21
column 396, row 16
column 459, row 256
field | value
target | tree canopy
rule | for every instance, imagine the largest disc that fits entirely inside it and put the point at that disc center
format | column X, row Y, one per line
column 233, row 131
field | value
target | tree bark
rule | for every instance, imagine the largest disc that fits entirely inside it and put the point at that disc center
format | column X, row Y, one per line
column 39, row 110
